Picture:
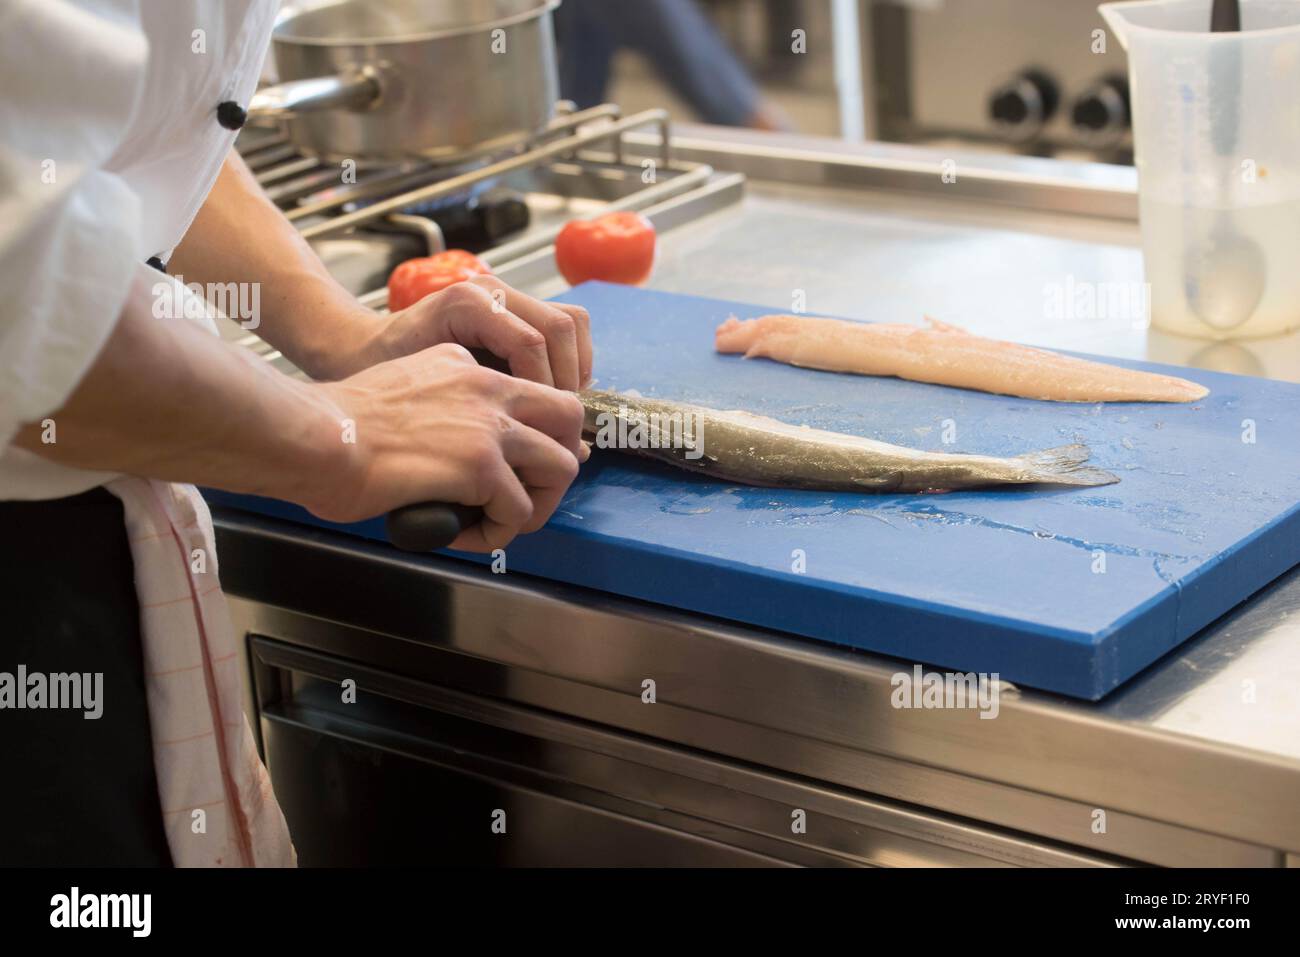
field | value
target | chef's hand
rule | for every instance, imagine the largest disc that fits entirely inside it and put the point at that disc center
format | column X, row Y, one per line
column 545, row 342
column 436, row 426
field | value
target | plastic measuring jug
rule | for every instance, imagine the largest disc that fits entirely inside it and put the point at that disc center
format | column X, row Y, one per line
column 1216, row 127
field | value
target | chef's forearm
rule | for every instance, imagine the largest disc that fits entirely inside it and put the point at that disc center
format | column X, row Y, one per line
column 166, row 399
column 240, row 236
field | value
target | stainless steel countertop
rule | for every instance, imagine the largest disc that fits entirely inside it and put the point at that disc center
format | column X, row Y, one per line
column 914, row 246
column 871, row 231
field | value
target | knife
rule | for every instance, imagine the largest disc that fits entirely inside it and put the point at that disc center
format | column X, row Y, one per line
column 429, row 526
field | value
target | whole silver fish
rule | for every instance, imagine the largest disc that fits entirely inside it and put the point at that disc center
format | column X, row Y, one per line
column 755, row 450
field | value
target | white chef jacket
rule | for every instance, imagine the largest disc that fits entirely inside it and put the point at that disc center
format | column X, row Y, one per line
column 109, row 143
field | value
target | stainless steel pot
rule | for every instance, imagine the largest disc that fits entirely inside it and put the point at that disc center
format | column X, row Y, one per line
column 390, row 80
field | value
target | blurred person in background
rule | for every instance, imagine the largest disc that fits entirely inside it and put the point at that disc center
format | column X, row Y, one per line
column 684, row 48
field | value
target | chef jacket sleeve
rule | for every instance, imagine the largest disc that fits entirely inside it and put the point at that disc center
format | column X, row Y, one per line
column 71, row 72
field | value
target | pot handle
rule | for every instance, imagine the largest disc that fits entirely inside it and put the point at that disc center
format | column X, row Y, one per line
column 359, row 89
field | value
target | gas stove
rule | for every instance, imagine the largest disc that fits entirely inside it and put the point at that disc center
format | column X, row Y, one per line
column 365, row 220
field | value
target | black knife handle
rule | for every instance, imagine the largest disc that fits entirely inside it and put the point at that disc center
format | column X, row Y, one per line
column 428, row 526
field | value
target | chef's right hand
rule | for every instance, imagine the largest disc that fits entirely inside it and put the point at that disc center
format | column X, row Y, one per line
column 436, row 426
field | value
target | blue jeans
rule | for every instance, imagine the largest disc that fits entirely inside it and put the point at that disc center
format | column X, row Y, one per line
column 674, row 35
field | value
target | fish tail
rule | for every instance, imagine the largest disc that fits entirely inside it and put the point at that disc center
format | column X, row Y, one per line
column 1064, row 465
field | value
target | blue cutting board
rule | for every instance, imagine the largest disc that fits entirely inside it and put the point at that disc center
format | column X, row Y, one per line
column 1068, row 590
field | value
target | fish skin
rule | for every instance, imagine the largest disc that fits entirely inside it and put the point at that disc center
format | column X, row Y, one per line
column 945, row 355
column 756, row 450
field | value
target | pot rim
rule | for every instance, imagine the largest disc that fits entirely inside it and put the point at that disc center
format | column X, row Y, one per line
column 289, row 15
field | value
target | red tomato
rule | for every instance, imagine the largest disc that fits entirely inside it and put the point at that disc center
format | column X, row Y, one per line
column 416, row 278
column 616, row 247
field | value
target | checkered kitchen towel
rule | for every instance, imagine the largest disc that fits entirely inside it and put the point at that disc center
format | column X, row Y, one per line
column 218, row 807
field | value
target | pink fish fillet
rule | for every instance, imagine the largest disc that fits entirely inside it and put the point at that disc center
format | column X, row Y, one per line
column 945, row 355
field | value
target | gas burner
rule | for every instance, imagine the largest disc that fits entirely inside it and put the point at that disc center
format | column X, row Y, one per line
column 476, row 222
column 508, row 207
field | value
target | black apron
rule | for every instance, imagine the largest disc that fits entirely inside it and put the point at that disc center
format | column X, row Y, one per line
column 75, row 792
